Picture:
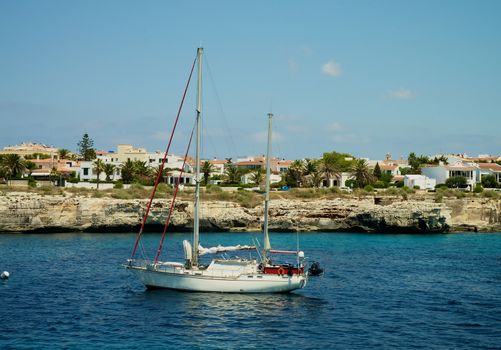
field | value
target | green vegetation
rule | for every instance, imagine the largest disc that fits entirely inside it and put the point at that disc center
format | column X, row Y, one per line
column 456, row 182
column 489, row 181
column 362, row 174
column 98, row 169
column 232, row 173
column 64, row 153
column 478, row 188
column 85, row 148
column 12, row 166
column 416, row 162
column 206, row 169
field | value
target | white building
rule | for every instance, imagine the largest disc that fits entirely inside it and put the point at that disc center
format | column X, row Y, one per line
column 424, row 182
column 488, row 169
column 337, row 180
column 442, row 172
column 87, row 172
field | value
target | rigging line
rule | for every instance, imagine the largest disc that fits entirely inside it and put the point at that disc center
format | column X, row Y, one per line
column 160, row 246
column 143, row 253
column 163, row 161
column 229, row 139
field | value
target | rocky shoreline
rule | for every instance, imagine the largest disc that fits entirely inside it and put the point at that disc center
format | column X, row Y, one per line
column 31, row 212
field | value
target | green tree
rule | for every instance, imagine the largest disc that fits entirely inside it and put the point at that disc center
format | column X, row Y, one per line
column 489, row 181
column 98, row 169
column 14, row 166
column 63, row 153
column 86, row 149
column 310, row 173
column 386, row 178
column 361, row 173
column 257, row 176
column 413, row 161
column 142, row 172
column 30, row 166
column 54, row 174
column 456, row 182
column 377, row 171
column 127, row 171
column 232, row 173
column 405, row 171
column 294, row 175
column 207, row 168
column 109, row 169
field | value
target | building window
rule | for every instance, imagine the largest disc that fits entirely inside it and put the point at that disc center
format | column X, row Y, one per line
column 85, row 171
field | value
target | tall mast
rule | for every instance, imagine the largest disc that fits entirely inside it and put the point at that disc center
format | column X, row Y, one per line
column 196, row 214
column 267, row 245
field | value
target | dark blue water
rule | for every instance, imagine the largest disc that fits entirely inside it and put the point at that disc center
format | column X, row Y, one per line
column 379, row 291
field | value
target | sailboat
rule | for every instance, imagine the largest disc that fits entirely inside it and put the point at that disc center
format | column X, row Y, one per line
column 231, row 275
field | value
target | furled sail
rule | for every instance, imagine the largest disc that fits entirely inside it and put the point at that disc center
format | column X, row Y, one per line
column 222, row 249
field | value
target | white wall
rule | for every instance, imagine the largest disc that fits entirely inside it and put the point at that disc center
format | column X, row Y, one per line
column 424, row 183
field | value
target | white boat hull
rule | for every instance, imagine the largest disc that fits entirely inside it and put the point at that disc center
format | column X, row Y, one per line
column 202, row 281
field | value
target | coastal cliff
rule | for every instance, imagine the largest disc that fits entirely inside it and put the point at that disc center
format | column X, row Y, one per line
column 31, row 212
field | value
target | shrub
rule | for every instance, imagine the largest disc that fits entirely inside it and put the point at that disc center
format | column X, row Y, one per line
column 478, row 188
column 352, row 183
column 32, row 182
column 490, row 194
column 416, row 187
column 213, row 189
column 456, row 182
column 489, row 181
column 380, row 184
column 369, row 188
column 118, row 184
column 392, row 191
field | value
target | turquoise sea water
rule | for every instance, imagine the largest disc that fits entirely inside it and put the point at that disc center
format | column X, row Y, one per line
column 379, row 291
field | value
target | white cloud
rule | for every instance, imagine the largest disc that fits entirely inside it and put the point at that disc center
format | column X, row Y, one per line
column 401, row 94
column 332, row 68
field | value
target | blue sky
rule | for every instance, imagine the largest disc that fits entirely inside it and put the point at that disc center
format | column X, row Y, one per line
column 364, row 77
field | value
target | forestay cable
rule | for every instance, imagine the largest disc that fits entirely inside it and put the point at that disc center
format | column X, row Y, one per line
column 160, row 172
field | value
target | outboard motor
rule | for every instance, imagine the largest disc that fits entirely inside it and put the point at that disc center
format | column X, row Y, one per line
column 4, row 275
column 315, row 269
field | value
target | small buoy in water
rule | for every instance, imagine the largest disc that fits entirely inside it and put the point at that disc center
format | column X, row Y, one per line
column 5, row 275
column 315, row 269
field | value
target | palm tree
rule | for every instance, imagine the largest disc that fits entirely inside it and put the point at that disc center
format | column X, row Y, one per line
column 63, row 153
column 141, row 169
column 98, row 169
column 207, row 168
column 109, row 169
column 14, row 165
column 311, row 173
column 127, row 171
column 361, row 173
column 295, row 172
column 257, row 176
column 54, row 173
column 30, row 166
column 232, row 173
column 329, row 168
